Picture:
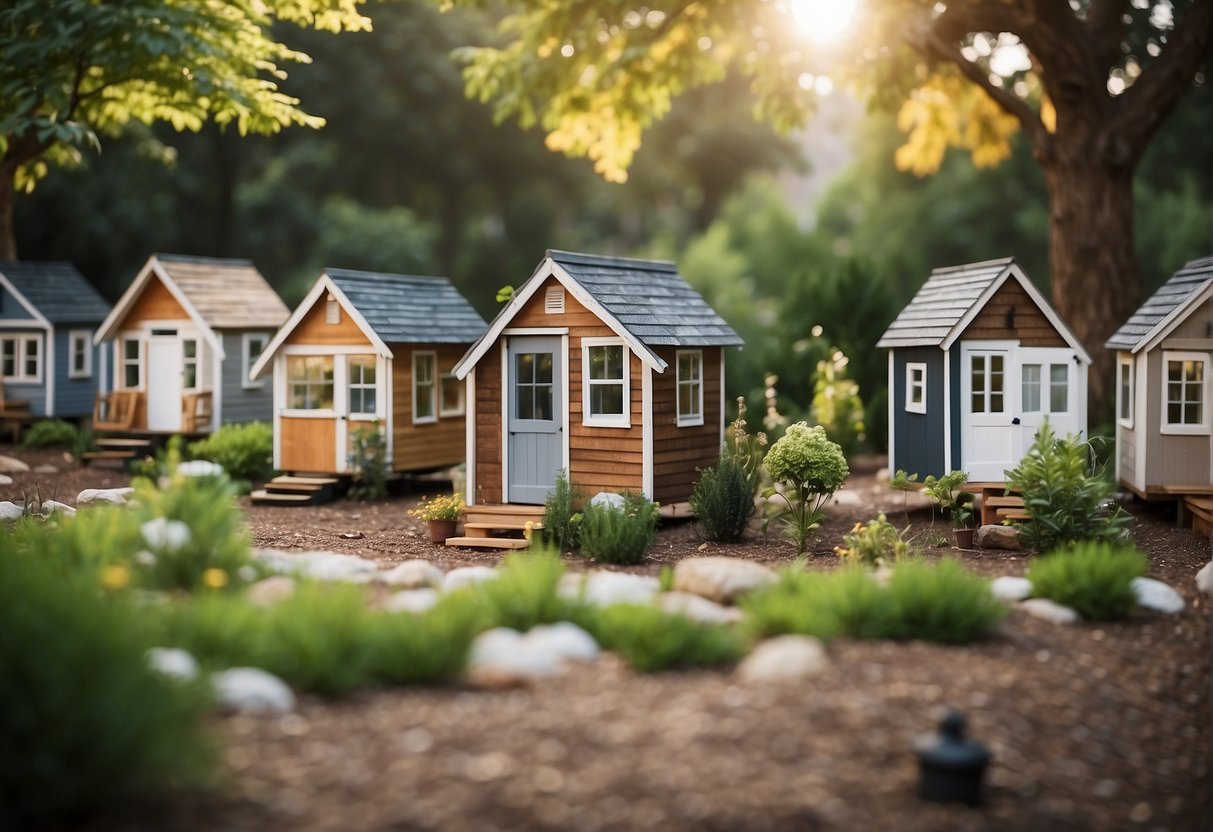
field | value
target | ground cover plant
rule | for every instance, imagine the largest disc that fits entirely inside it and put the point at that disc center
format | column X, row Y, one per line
column 50, row 433
column 246, row 450
column 874, row 544
column 1095, row 579
column 562, row 513
column 619, row 534
column 723, row 501
column 811, row 468
column 650, row 639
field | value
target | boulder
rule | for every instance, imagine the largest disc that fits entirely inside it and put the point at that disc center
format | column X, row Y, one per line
column 604, row 589
column 565, row 640
column 271, row 590
column 608, row 499
column 1011, row 589
column 1155, row 595
column 698, row 608
column 1049, row 611
column 465, row 576
column 251, row 690
column 846, row 497
column 720, row 579
column 103, row 497
column 412, row 600
column 784, row 659
column 5, row 479
column 1204, row 578
column 10, row 510
column 56, row 507
column 991, row 536
column 165, row 535
column 502, row 656
column 172, row 663
column 412, row 574
column 9, row 465
column 322, row 566
column 199, row 468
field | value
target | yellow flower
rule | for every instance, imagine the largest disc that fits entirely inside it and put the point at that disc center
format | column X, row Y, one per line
column 116, row 576
column 857, row 527
column 214, row 578
column 530, row 527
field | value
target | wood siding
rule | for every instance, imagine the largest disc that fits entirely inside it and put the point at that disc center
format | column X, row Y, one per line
column 240, row 403
column 155, row 303
column 308, row 444
column 488, row 427
column 313, row 330
column 1030, row 326
column 678, row 451
column 432, row 445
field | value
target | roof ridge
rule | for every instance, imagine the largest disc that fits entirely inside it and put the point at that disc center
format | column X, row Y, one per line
column 998, row 261
column 202, row 259
column 331, row 272
column 610, row 261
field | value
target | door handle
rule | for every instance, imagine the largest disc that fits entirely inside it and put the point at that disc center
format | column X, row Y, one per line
column 1015, row 421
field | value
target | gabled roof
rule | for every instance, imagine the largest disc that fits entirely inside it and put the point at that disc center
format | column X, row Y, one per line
column 645, row 302
column 953, row 296
column 1163, row 307
column 56, row 292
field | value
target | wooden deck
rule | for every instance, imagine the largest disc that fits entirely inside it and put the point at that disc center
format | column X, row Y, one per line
column 498, row 527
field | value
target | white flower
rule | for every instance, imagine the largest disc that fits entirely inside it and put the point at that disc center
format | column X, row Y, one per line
column 165, row 535
column 145, row 558
column 199, row 468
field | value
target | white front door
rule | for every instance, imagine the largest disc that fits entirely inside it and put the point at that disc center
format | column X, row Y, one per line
column 988, row 442
column 1049, row 388
column 163, row 389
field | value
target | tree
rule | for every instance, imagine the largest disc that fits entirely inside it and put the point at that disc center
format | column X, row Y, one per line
column 1088, row 82
column 72, row 70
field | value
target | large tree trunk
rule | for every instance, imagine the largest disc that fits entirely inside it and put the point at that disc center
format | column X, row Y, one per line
column 8, row 238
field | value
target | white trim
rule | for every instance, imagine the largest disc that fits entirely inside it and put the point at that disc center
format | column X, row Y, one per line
column 216, row 388
column 609, row 420
column 47, row 357
column 947, row 410
column 73, row 337
column 303, row 412
column 1206, row 398
column 196, row 359
column 536, row 330
column 892, row 411
column 433, row 356
column 120, row 360
column 388, row 411
column 469, row 479
column 20, row 353
column 646, row 425
column 246, row 370
column 377, row 414
column 694, row 419
column 37, row 316
column 103, row 367
column 341, row 416
column 461, row 408
column 506, row 394
column 109, row 327
column 23, row 324
column 1175, row 317
column 566, row 422
column 278, row 380
column 1124, row 361
column 1141, row 410
column 911, row 367
column 722, row 416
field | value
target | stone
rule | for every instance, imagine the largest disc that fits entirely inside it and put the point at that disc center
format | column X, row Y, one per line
column 992, row 536
column 412, row 600
column 165, row 535
column 250, row 690
column 322, row 566
column 45, row 469
column 609, row 499
column 199, row 468
column 846, row 497
column 720, row 579
column 5, row 479
column 1008, row 588
column 784, row 659
column 465, row 576
column 412, row 574
column 604, row 589
column 271, row 590
column 103, row 497
column 8, row 465
column 172, row 663
column 1204, row 578
column 503, row 656
column 1155, row 595
column 10, row 510
column 565, row 640
column 56, row 507
column 698, row 608
column 1049, row 611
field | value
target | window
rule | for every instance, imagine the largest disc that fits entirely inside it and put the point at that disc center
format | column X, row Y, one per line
column 8, row 357
column 1059, row 388
column 309, row 381
column 132, row 367
column 1185, row 392
column 251, row 346
column 362, row 384
column 605, row 383
column 916, row 387
column 1030, row 393
column 452, row 396
column 189, row 363
column 21, row 358
column 690, row 387
column 533, row 386
column 1124, row 406
column 986, row 393
column 80, row 354
column 424, row 406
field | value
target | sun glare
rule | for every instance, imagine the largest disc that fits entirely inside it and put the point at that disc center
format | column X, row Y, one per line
column 823, row 20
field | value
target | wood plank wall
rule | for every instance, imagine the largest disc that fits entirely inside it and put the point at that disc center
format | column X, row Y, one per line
column 678, row 451
column 438, row 444
column 1031, row 327
column 308, row 444
column 155, row 303
column 488, row 427
column 313, row 329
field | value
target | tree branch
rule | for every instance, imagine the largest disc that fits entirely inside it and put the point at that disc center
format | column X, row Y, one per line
column 1104, row 28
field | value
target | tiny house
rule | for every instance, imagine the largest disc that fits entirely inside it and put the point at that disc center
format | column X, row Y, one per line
column 182, row 340
column 49, row 314
column 977, row 361
column 366, row 349
column 1164, row 392
column 611, row 369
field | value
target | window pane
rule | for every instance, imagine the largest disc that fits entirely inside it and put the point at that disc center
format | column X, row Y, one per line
column 1174, row 413
column 688, row 401
column 130, row 350
column 1031, row 388
column 130, row 375
column 606, row 400
column 684, row 366
column 978, row 373
column 189, row 347
column 1059, row 388
column 1174, row 370
column 190, row 376
column 1197, row 371
column 525, row 368
column 1174, row 391
column 614, row 364
column 979, row 403
column 598, row 362
column 1192, row 413
column 543, row 402
column 996, row 402
column 425, row 401
column 543, row 368
column 524, row 395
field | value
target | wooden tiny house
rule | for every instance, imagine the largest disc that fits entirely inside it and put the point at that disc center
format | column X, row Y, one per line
column 977, row 361
column 181, row 340
column 367, row 349
column 611, row 369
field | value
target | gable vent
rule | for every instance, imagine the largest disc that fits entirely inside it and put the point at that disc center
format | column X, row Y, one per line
column 553, row 300
column 332, row 311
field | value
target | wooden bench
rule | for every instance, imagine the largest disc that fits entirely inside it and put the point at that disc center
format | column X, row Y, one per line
column 1197, row 510
column 14, row 414
column 196, row 411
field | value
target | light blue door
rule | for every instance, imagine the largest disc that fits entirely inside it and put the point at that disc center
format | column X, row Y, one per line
column 535, row 441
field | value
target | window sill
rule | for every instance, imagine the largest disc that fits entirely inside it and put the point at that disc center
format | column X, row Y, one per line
column 425, row 420
column 1185, row 430
column 79, row 376
column 690, row 421
column 1125, row 423
column 309, row 414
column 606, row 422
column 919, row 409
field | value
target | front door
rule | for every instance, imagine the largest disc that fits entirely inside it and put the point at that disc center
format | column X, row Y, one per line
column 988, row 442
column 535, row 411
column 1048, row 389
column 163, row 389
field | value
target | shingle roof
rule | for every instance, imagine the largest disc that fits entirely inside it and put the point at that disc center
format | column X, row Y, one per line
column 410, row 308
column 228, row 294
column 57, row 290
column 1169, row 297
column 650, row 299
column 941, row 302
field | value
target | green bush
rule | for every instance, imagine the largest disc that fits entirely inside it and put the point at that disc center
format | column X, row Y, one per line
column 1067, row 500
column 837, row 406
column 524, row 592
column 943, row 602
column 246, row 451
column 746, row 450
column 1093, row 578
column 219, row 630
column 368, row 460
column 723, row 501
column 946, row 493
column 877, row 543
column 650, row 639
column 859, row 606
column 410, row 649
column 561, row 517
column 812, row 468
column 84, row 723
column 50, row 433
column 783, row 607
column 619, row 535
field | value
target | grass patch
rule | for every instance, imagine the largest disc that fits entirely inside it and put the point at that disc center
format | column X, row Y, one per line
column 1093, row 578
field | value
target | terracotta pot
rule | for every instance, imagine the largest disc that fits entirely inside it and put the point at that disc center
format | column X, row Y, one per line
column 964, row 538
column 440, row 530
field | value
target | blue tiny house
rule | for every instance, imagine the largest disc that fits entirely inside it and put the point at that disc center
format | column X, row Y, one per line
column 49, row 366
column 977, row 361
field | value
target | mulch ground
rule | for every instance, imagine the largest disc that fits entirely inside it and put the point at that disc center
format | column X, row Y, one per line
column 1097, row 726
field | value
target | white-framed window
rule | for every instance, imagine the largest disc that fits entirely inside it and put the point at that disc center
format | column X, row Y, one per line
column 80, row 354
column 425, row 408
column 362, row 389
column 251, row 346
column 1185, row 392
column 916, row 387
column 1124, row 389
column 309, row 382
column 21, row 358
column 605, row 383
column 689, row 379
column 451, row 396
column 189, row 363
column 131, row 371
column 986, row 393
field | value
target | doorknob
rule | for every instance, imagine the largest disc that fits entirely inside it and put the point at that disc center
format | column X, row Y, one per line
column 1015, row 421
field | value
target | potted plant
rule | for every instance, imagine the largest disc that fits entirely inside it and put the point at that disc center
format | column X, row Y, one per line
column 946, row 492
column 441, row 514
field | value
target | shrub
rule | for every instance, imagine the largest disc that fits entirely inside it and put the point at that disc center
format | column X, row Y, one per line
column 246, row 451
column 1093, row 578
column 745, row 450
column 368, row 459
column 1067, row 500
column 48, row 433
column 783, row 607
column 874, row 544
column 561, row 517
column 723, row 501
column 619, row 535
column 946, row 493
column 650, row 639
column 812, row 469
column 524, row 593
column 409, row 649
column 943, row 602
column 220, row 630
column 859, row 606
column 836, row 403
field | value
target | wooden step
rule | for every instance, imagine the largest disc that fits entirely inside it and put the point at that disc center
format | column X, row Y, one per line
column 1010, row 500
column 488, row 542
column 1013, row 514
column 503, row 526
column 276, row 487
column 287, row 479
column 534, row 511
column 266, row 498
column 128, row 454
column 117, row 442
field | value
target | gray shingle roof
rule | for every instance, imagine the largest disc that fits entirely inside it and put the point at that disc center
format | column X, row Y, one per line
column 941, row 302
column 228, row 294
column 1171, row 295
column 650, row 299
column 410, row 309
column 57, row 290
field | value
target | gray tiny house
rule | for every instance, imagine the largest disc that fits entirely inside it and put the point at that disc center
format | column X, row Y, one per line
column 977, row 361
column 1164, row 397
column 49, row 314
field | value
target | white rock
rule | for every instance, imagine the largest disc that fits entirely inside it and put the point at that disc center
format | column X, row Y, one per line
column 45, row 469
column 10, row 511
column 698, row 608
column 199, row 468
column 720, row 579
column 1155, row 595
column 609, row 499
column 252, row 690
column 846, row 497
column 505, row 655
column 172, row 663
column 322, row 566
column 103, row 496
column 9, row 465
column 1008, row 588
column 1204, row 578
column 271, row 590
column 165, row 535
column 412, row 574
column 604, row 589
column 411, row 600
column 565, row 640
column 465, row 576
column 991, row 536
column 5, row 479
column 1049, row 611
column 56, row 507
column 784, row 659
